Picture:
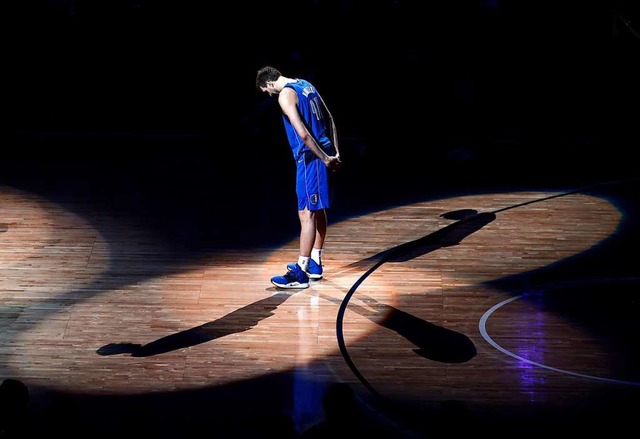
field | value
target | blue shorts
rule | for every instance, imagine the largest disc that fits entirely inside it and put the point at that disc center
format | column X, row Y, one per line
column 312, row 182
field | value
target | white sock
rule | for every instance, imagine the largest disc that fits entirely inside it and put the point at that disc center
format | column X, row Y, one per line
column 303, row 262
column 316, row 255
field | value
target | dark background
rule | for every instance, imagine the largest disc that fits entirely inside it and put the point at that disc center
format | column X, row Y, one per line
column 156, row 102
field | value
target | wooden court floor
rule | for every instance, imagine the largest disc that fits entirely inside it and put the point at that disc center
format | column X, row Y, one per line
column 483, row 311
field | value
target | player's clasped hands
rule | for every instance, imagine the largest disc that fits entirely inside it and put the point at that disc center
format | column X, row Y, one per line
column 334, row 163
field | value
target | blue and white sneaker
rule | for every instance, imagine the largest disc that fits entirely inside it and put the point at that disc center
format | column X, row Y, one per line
column 294, row 278
column 314, row 270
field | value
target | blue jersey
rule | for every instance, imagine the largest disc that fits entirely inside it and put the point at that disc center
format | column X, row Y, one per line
column 313, row 115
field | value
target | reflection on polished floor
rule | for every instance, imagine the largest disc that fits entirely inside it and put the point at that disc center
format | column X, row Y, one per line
column 481, row 310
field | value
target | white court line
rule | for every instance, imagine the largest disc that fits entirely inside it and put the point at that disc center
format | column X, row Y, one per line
column 485, row 335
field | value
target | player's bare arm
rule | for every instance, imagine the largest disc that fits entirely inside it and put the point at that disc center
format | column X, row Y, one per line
column 288, row 100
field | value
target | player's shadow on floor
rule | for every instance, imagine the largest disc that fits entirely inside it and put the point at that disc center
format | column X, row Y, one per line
column 469, row 222
column 237, row 321
column 433, row 342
